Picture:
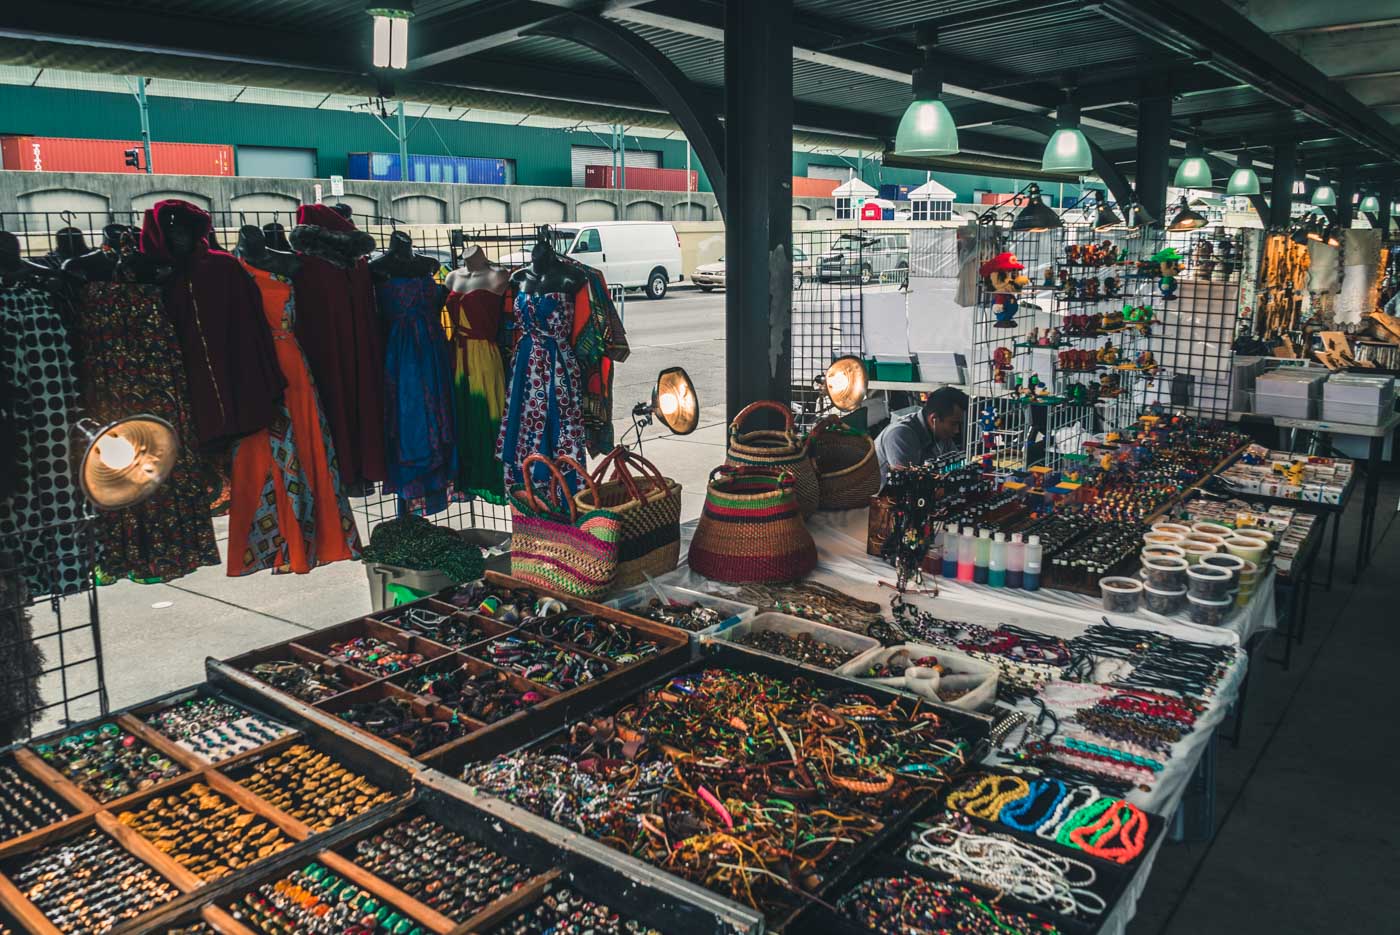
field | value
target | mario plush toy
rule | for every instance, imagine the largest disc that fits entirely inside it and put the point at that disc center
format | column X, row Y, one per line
column 1169, row 265
column 1002, row 276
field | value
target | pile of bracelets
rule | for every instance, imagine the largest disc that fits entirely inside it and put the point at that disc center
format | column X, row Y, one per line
column 303, row 681
column 314, row 899
column 448, row 629
column 953, row 846
column 401, row 722
column 25, row 804
column 475, row 690
column 812, row 601
column 548, row 664
column 215, row 730
column 312, row 787
column 504, row 605
column 562, row 911
column 89, row 883
column 439, row 867
column 375, row 656
column 204, row 832
column 750, row 785
column 913, row 905
column 1158, row 662
column 593, row 635
column 107, row 763
column 1076, row 816
column 692, row 617
column 800, row 648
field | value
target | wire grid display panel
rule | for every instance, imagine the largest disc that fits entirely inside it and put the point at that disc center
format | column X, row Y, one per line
column 830, row 268
column 1195, row 330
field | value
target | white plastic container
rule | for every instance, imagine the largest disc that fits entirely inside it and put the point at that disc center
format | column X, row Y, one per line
column 1121, row 595
column 1208, row 613
column 1211, row 584
column 1252, row 549
column 961, row 673
column 633, row 599
column 1231, row 563
column 1165, row 573
column 1163, row 601
column 855, row 643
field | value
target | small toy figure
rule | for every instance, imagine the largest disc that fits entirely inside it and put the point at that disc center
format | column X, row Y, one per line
column 1035, row 389
column 1071, row 290
column 1091, row 290
column 1146, row 362
column 1169, row 267
column 1110, row 287
column 1001, row 364
column 1108, row 354
column 1072, row 254
column 1108, row 253
column 1047, row 280
column 1112, row 321
column 1293, row 474
column 1052, row 337
column 1002, row 276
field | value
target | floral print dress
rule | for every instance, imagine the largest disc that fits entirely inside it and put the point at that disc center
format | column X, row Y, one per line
column 543, row 412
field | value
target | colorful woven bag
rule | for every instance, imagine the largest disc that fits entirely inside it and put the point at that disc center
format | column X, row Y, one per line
column 776, row 451
column 649, row 507
column 751, row 529
column 556, row 546
column 848, row 474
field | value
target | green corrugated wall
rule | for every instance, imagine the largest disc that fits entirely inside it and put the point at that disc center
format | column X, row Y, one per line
column 541, row 155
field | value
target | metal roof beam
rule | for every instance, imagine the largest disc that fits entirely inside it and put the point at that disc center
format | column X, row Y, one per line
column 487, row 24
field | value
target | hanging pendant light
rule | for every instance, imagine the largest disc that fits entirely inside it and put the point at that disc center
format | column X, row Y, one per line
column 1068, row 149
column 1193, row 171
column 390, row 19
column 927, row 128
column 1370, row 204
column 1186, row 219
column 1324, row 196
column 1036, row 216
column 1138, row 217
column 1244, row 180
column 1107, row 216
column 126, row 461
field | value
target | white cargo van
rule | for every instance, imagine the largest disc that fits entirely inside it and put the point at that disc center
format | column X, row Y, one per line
column 642, row 255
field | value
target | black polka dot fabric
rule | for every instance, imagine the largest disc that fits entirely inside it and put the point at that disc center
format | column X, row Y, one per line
column 40, row 523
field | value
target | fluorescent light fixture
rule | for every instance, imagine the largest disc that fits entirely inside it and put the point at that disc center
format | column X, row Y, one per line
column 390, row 32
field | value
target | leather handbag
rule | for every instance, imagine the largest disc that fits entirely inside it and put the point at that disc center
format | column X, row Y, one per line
column 553, row 543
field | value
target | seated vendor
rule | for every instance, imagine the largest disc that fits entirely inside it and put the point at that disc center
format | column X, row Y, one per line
column 931, row 432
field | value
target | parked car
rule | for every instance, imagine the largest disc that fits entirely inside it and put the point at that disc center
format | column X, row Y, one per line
column 710, row 276
column 866, row 258
column 642, row 255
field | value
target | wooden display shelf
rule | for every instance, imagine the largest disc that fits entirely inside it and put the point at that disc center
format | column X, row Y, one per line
column 428, row 916
column 502, row 909
column 56, row 781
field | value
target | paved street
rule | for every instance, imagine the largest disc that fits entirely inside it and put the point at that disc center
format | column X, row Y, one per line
column 685, row 329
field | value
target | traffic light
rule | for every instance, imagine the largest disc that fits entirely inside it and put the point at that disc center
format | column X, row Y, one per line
column 133, row 158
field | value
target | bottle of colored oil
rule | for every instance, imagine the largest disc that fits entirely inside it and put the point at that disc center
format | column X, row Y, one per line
column 982, row 556
column 1034, row 551
column 951, row 542
column 1015, row 560
column 966, row 548
column 996, row 562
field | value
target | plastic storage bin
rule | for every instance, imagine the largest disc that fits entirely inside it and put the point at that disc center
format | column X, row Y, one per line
column 973, row 679
column 734, row 611
column 796, row 626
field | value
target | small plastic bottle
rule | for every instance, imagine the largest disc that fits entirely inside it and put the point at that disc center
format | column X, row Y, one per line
column 935, row 554
column 966, row 548
column 982, row 556
column 951, row 542
column 1031, row 578
column 996, row 562
column 1015, row 560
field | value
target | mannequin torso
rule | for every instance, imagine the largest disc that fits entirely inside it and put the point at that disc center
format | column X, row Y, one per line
column 546, row 273
column 477, row 272
column 399, row 260
column 252, row 249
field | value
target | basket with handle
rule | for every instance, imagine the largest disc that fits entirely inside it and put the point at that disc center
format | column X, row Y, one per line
column 648, row 505
column 848, row 474
column 751, row 529
column 553, row 543
column 775, row 450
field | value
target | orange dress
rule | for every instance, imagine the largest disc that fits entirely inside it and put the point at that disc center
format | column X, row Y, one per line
column 288, row 510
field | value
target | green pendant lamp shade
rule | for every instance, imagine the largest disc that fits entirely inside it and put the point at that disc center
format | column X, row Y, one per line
column 927, row 128
column 1324, row 196
column 1370, row 204
column 1193, row 171
column 1244, row 180
column 1036, row 215
column 1068, row 149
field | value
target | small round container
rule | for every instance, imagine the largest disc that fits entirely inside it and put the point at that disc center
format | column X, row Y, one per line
column 1165, row 574
column 1263, row 535
column 1121, row 595
column 1162, row 538
column 1195, row 550
column 1164, row 602
column 1249, row 573
column 1231, row 563
column 1212, row 584
column 1208, row 539
column 1242, row 599
column 1211, row 529
column 1163, row 551
column 1246, row 548
column 1207, row 613
column 1179, row 529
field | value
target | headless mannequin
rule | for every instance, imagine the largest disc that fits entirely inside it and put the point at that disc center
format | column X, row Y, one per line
column 14, row 266
column 399, row 260
column 477, row 272
column 276, row 236
column 69, row 244
column 547, row 273
column 132, row 264
column 98, row 265
column 344, row 210
column 252, row 248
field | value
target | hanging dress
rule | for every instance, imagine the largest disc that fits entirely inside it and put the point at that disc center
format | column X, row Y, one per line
column 41, row 521
column 288, row 510
column 420, row 437
column 543, row 412
column 131, row 364
column 479, row 390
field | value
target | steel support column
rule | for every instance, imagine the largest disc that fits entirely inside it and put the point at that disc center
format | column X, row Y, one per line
column 758, row 212
column 1346, row 187
column 1153, row 153
column 1285, row 173
column 1385, row 191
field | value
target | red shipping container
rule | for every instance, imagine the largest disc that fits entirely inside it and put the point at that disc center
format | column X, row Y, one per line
column 804, row 187
column 597, row 176
column 643, row 178
column 60, row 154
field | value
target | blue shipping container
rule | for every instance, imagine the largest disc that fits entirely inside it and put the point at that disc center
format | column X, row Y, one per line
column 384, row 167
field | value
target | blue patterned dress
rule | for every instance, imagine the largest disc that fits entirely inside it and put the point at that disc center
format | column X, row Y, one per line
column 543, row 413
column 420, row 441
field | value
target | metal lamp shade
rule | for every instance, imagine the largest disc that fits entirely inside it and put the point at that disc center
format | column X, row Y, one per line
column 1067, row 151
column 926, row 129
column 1186, row 219
column 1107, row 217
column 675, row 402
column 1193, row 173
column 1324, row 196
column 127, row 461
column 1036, row 216
column 846, row 383
column 1370, row 204
column 1244, row 180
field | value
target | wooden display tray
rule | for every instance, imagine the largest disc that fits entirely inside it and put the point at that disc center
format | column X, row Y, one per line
column 89, row 813
column 487, row 739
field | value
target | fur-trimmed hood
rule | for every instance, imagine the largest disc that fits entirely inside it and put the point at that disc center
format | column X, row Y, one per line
column 322, row 232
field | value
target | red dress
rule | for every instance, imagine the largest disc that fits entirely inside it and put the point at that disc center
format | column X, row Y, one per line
column 288, row 511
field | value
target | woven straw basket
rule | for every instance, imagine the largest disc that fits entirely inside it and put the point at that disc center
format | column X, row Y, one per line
column 751, row 529
column 848, row 474
column 649, row 508
column 775, row 451
column 556, row 546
